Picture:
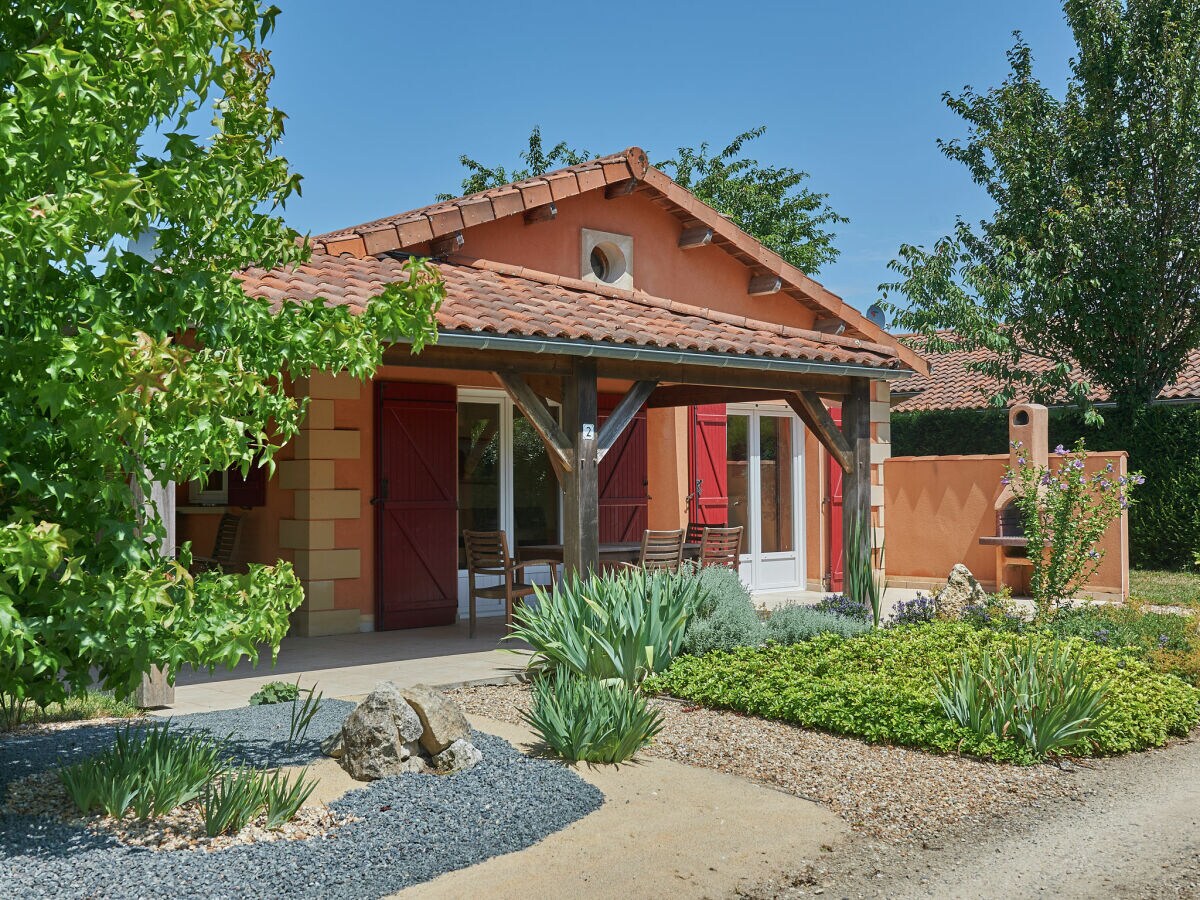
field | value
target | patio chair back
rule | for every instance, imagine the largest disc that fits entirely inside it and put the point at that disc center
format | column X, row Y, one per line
column 721, row 547
column 225, row 546
column 661, row 550
column 229, row 532
column 486, row 550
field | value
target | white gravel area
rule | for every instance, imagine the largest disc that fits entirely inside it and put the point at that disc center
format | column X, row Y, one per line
column 890, row 793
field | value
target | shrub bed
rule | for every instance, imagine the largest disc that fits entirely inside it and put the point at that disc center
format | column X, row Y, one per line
column 881, row 687
column 1168, row 642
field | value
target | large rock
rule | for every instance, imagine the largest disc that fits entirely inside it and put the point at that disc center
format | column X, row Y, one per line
column 443, row 722
column 380, row 736
column 458, row 757
column 961, row 591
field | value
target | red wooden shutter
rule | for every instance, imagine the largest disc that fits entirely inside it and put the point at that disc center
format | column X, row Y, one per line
column 835, row 561
column 623, row 478
column 416, row 505
column 247, row 491
column 708, row 484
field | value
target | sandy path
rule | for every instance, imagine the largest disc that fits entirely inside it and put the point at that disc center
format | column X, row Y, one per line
column 1135, row 835
column 665, row 830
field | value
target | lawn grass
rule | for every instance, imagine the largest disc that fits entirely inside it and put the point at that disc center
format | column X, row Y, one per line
column 1165, row 587
column 76, row 708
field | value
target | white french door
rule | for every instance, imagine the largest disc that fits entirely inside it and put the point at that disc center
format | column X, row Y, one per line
column 765, row 460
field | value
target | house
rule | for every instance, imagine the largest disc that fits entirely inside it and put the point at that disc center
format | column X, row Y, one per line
column 613, row 355
column 951, row 384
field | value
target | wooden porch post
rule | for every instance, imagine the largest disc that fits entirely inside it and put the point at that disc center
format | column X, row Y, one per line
column 856, row 480
column 581, row 499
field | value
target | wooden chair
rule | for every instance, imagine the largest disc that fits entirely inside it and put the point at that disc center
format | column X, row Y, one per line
column 225, row 546
column 661, row 550
column 487, row 554
column 721, row 547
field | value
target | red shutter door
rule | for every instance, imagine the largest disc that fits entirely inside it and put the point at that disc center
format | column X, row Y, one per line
column 834, row 563
column 708, row 502
column 416, row 505
column 623, row 480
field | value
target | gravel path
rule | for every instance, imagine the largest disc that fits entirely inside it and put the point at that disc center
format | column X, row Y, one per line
column 934, row 826
column 885, row 792
column 1135, row 835
column 410, row 828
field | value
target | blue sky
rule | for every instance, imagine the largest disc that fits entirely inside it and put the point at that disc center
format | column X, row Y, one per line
column 383, row 97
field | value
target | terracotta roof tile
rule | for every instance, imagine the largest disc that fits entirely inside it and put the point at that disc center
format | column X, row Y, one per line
column 951, row 385
column 489, row 297
column 417, row 227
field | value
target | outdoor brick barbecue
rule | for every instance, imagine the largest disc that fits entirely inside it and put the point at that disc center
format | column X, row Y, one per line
column 1028, row 430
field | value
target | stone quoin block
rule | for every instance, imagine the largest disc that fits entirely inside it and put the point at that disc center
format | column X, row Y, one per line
column 342, row 443
column 339, row 504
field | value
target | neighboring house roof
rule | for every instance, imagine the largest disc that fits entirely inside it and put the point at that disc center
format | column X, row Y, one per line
column 496, row 298
column 628, row 169
column 950, row 384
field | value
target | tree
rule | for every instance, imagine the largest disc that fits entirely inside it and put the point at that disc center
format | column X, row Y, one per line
column 1089, row 269
column 537, row 162
column 117, row 373
column 771, row 203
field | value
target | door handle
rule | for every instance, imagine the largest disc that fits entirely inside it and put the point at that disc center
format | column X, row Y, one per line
column 383, row 492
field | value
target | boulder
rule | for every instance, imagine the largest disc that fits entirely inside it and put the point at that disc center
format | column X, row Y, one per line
column 379, row 737
column 961, row 591
column 443, row 722
column 458, row 757
column 333, row 746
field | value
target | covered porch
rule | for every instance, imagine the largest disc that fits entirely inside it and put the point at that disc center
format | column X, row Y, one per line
column 567, row 412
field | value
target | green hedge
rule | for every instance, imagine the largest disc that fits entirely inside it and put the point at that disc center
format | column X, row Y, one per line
column 1163, row 442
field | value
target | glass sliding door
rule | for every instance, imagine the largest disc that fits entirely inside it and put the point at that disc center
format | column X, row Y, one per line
column 775, row 513
column 479, row 471
column 534, row 487
column 505, row 482
column 764, row 459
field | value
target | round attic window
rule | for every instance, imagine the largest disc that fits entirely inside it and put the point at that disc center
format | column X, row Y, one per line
column 607, row 262
column 599, row 264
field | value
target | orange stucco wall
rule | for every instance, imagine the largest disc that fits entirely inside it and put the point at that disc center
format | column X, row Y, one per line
column 705, row 277
column 938, row 507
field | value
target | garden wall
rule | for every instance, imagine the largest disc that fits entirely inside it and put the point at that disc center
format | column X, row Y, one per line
column 1163, row 442
column 938, row 507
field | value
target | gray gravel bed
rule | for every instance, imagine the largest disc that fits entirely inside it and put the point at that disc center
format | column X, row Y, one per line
column 410, row 829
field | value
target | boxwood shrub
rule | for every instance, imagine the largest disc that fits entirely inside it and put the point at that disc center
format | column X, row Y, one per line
column 881, row 687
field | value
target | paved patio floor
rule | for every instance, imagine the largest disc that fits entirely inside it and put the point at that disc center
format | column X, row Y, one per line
column 349, row 665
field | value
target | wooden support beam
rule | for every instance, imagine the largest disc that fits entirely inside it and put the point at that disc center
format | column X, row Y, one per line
column 619, row 419
column 856, row 480
column 473, row 360
column 548, row 386
column 702, row 395
column 544, row 213
column 829, row 326
column 761, row 285
column 816, row 418
column 581, row 486
column 699, row 236
column 542, row 420
column 444, row 246
column 620, row 188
